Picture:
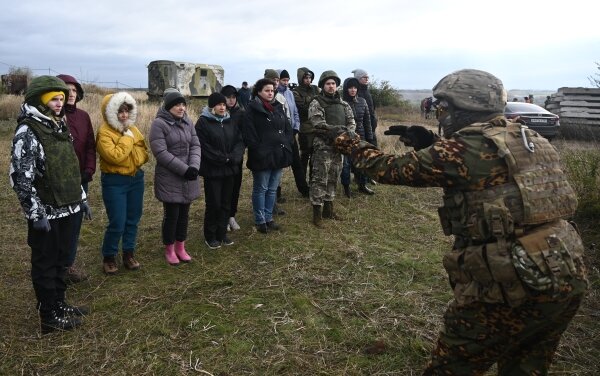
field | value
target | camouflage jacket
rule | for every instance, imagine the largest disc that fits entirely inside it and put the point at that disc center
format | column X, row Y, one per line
column 470, row 162
column 317, row 114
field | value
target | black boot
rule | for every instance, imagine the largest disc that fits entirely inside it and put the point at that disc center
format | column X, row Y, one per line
column 328, row 211
column 317, row 216
column 69, row 310
column 52, row 320
column 347, row 191
column 366, row 190
column 280, row 198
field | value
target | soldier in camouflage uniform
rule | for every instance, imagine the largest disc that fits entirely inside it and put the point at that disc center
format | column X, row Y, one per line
column 516, row 266
column 329, row 115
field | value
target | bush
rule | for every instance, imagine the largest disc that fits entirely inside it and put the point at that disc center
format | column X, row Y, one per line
column 385, row 95
column 10, row 106
column 583, row 168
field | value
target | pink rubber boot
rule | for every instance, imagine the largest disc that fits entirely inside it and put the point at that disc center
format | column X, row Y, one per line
column 181, row 253
column 170, row 255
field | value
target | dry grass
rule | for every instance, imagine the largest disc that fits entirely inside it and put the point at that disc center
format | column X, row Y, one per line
column 362, row 297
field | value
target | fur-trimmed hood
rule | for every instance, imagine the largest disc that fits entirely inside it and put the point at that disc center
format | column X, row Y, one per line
column 110, row 107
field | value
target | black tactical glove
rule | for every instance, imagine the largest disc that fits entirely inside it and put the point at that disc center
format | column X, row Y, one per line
column 416, row 136
column 191, row 173
column 42, row 224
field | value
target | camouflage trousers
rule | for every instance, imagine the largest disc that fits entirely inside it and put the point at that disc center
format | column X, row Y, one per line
column 326, row 168
column 522, row 340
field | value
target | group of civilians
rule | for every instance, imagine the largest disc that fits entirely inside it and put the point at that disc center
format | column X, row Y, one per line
column 54, row 151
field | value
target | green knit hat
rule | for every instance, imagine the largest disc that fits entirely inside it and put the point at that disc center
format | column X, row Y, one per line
column 41, row 85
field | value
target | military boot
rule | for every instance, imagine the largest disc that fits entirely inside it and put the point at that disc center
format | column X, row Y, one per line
column 53, row 319
column 317, row 216
column 328, row 211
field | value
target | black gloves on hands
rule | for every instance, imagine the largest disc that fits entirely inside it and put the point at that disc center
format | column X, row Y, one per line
column 191, row 173
column 86, row 177
column 416, row 136
column 41, row 224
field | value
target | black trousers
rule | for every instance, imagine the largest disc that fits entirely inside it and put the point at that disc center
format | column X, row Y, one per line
column 218, row 193
column 175, row 222
column 49, row 257
column 235, row 193
column 299, row 169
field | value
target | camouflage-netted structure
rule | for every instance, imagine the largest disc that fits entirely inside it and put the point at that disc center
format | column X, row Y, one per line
column 191, row 79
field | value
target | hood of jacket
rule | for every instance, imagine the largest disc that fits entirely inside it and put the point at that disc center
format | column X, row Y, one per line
column 71, row 80
column 28, row 111
column 110, row 108
column 354, row 83
column 301, row 72
column 207, row 113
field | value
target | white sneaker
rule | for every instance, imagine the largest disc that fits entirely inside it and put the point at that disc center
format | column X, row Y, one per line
column 233, row 224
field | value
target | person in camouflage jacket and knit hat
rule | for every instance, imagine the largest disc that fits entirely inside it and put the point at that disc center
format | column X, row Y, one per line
column 329, row 115
column 516, row 267
column 303, row 95
column 44, row 172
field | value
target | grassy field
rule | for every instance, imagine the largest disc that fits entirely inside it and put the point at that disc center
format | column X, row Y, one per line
column 363, row 296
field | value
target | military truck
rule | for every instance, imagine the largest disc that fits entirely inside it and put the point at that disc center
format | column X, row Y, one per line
column 191, row 79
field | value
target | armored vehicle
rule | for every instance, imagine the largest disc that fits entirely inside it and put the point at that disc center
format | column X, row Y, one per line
column 191, row 79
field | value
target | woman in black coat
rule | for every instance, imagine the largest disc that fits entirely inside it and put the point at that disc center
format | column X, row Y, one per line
column 362, row 118
column 268, row 135
column 222, row 152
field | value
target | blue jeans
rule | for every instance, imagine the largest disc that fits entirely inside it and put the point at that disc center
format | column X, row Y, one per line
column 264, row 193
column 123, row 198
column 76, row 220
column 345, row 176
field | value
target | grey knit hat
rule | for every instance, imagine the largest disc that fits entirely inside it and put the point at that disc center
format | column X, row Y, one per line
column 359, row 73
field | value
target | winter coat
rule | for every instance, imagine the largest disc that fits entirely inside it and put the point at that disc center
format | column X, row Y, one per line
column 361, row 114
column 291, row 103
column 222, row 144
column 363, row 92
column 268, row 136
column 120, row 154
column 28, row 163
column 176, row 147
column 84, row 142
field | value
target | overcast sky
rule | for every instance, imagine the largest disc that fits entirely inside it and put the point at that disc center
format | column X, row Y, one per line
column 527, row 44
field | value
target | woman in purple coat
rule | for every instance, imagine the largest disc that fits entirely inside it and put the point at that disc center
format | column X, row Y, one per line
column 176, row 147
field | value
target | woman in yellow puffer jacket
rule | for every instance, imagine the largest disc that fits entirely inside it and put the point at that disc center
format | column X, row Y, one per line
column 122, row 151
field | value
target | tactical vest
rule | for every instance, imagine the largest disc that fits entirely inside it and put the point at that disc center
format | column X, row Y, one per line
column 61, row 183
column 510, row 239
column 334, row 110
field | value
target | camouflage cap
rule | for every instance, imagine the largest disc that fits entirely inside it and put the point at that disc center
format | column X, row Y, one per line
column 472, row 90
column 271, row 74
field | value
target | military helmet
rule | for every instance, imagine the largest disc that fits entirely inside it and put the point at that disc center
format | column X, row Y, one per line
column 472, row 90
column 41, row 85
column 327, row 75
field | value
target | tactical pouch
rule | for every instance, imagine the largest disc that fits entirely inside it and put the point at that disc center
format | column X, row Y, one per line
column 550, row 257
column 453, row 262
